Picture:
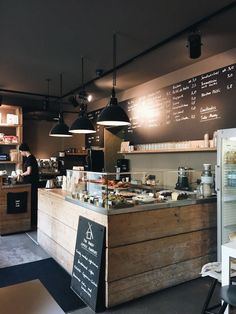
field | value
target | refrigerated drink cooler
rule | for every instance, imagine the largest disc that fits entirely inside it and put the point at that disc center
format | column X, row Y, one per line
column 225, row 186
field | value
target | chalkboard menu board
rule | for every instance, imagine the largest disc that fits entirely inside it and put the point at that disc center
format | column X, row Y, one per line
column 95, row 139
column 88, row 275
column 185, row 110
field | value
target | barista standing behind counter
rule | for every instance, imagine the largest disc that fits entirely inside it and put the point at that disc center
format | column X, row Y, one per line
column 31, row 175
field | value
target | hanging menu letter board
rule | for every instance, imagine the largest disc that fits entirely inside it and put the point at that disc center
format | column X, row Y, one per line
column 88, row 276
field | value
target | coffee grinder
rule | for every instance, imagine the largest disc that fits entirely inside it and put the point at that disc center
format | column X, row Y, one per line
column 182, row 183
column 206, row 180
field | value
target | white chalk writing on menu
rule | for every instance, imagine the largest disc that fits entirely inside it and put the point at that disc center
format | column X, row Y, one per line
column 184, row 104
column 87, row 261
column 95, row 139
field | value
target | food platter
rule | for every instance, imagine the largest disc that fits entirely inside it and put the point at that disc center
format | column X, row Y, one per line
column 145, row 199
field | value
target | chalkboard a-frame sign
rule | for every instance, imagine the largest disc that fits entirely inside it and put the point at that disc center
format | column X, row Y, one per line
column 88, row 275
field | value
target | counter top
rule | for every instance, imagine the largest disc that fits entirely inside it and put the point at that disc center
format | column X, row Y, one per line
column 167, row 204
column 144, row 207
column 15, row 186
column 55, row 192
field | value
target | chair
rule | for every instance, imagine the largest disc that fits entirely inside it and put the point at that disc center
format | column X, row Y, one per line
column 228, row 295
column 213, row 270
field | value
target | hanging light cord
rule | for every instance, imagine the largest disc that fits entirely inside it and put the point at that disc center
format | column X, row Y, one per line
column 48, row 81
column 114, row 59
column 60, row 92
column 83, row 105
column 60, row 84
column 82, row 72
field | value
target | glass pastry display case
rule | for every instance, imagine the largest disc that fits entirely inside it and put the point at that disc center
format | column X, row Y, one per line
column 115, row 190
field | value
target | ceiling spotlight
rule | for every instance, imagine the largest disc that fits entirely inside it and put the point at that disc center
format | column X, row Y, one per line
column 99, row 72
column 194, row 45
column 84, row 96
column 90, row 97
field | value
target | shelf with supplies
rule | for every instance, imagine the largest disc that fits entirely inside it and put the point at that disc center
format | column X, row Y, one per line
column 11, row 134
column 208, row 149
column 7, row 162
column 171, row 147
column 7, row 125
column 11, row 144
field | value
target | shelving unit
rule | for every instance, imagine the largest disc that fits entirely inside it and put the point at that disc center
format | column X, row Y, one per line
column 174, row 150
column 173, row 147
column 9, row 125
column 7, row 162
column 8, row 144
column 11, row 129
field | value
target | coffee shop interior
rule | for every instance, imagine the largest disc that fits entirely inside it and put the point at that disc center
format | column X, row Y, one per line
column 129, row 109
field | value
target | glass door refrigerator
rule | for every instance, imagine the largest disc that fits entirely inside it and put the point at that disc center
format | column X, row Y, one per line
column 225, row 186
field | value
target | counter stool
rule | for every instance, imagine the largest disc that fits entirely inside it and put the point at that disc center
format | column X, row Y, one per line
column 228, row 295
column 213, row 270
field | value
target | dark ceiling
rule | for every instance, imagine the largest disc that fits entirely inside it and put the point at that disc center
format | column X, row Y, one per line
column 40, row 39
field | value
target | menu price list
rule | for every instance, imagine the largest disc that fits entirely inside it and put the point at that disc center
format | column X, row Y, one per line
column 95, row 139
column 88, row 276
column 185, row 110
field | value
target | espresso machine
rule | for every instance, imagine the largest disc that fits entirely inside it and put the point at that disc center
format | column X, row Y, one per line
column 182, row 182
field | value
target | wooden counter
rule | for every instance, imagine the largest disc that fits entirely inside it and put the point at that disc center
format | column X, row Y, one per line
column 146, row 250
column 14, row 222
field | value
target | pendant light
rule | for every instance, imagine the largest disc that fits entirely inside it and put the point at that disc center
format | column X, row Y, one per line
column 60, row 129
column 113, row 114
column 82, row 124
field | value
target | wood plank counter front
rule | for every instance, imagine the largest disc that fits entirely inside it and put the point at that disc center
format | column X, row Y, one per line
column 147, row 249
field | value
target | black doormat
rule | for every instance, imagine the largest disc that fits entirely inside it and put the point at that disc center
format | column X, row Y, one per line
column 54, row 278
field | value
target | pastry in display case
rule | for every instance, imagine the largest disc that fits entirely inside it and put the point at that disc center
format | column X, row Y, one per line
column 103, row 190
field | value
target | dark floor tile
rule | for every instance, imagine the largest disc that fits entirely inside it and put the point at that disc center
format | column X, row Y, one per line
column 186, row 298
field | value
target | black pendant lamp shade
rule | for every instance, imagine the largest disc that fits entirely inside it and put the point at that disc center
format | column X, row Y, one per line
column 82, row 125
column 60, row 129
column 113, row 114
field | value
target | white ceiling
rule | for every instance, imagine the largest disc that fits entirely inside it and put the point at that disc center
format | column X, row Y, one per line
column 40, row 39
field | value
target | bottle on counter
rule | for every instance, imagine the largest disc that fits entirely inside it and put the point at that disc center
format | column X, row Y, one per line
column 215, row 139
column 206, row 140
column 199, row 189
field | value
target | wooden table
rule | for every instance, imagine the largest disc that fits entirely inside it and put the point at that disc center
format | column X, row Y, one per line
column 228, row 250
column 30, row 297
